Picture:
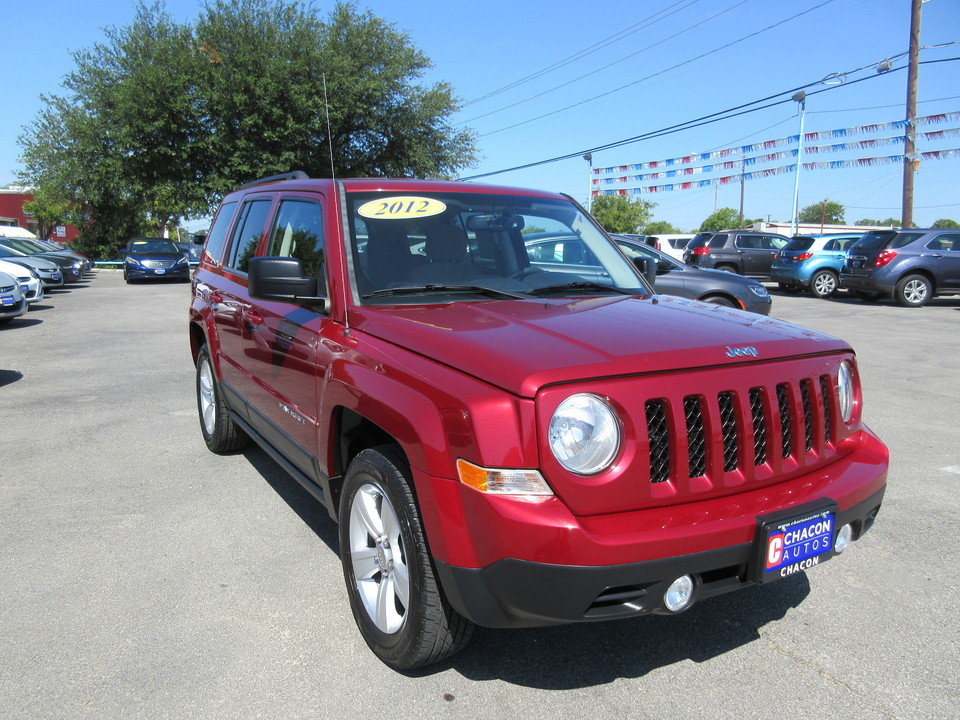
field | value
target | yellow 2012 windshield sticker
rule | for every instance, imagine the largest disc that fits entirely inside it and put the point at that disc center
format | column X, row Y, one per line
column 401, row 208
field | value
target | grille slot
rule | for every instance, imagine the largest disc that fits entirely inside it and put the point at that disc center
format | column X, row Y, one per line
column 806, row 393
column 827, row 406
column 758, row 415
column 696, row 436
column 659, row 433
column 783, row 403
column 728, row 423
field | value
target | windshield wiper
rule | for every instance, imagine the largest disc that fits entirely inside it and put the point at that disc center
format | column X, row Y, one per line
column 430, row 289
column 584, row 285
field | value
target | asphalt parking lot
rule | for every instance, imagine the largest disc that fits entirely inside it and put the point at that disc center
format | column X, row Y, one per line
column 144, row 577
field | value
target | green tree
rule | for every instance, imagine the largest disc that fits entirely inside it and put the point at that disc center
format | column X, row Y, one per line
column 48, row 208
column 722, row 219
column 163, row 118
column 826, row 211
column 889, row 222
column 946, row 223
column 658, row 227
column 620, row 214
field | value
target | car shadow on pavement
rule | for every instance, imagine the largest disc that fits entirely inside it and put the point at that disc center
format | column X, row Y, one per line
column 588, row 654
column 7, row 377
column 584, row 654
column 311, row 512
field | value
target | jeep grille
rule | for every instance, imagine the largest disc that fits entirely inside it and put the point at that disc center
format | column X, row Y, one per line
column 756, row 426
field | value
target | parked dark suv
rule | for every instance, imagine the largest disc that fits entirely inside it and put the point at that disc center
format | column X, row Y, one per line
column 741, row 251
column 911, row 266
column 510, row 444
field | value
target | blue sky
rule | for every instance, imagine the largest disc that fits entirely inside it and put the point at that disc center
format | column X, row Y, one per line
column 539, row 80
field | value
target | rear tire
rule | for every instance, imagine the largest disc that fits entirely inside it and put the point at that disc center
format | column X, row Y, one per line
column 824, row 284
column 913, row 291
column 727, row 268
column 396, row 600
column 220, row 432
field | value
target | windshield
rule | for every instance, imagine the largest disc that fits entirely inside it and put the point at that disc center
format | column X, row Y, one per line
column 408, row 248
column 153, row 246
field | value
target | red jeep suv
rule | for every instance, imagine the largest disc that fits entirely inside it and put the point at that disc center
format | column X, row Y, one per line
column 508, row 445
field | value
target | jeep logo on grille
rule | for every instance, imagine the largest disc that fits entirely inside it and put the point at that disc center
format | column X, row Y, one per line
column 742, row 351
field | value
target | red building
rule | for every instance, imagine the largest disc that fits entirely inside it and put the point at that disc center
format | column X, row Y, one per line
column 12, row 215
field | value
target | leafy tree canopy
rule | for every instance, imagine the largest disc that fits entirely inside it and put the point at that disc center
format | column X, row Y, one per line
column 889, row 222
column 722, row 219
column 162, row 118
column 659, row 227
column 946, row 223
column 827, row 211
column 620, row 214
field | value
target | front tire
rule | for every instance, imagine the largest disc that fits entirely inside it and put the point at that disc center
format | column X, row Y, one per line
column 913, row 291
column 720, row 300
column 220, row 432
column 396, row 601
column 824, row 284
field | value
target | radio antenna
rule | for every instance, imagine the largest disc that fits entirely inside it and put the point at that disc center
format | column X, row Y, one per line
column 326, row 107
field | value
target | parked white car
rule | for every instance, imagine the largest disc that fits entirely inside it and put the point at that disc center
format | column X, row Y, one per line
column 12, row 302
column 29, row 280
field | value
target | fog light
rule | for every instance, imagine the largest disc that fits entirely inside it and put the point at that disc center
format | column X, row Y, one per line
column 679, row 596
column 843, row 538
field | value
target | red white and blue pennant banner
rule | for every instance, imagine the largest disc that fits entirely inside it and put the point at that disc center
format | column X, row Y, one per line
column 768, row 172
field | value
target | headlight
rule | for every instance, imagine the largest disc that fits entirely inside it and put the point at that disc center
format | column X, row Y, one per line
column 758, row 290
column 845, row 390
column 181, row 261
column 584, row 434
column 130, row 261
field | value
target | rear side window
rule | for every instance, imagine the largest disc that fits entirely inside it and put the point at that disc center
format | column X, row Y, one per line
column 903, row 239
column 218, row 233
column 253, row 216
column 717, row 241
column 298, row 233
column 699, row 240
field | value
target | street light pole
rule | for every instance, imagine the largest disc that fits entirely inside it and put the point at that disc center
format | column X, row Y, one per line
column 589, row 158
column 800, row 97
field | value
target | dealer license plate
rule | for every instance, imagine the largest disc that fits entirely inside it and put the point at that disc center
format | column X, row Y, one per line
column 795, row 544
column 159, row 271
column 6, row 300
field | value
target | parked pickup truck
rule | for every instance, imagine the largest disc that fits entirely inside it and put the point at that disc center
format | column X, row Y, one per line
column 506, row 445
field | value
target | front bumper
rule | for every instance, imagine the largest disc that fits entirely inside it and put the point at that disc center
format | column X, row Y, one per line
column 508, row 562
column 137, row 272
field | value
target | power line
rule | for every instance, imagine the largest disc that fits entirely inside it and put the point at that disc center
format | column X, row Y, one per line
column 648, row 77
column 701, row 121
column 605, row 67
column 606, row 42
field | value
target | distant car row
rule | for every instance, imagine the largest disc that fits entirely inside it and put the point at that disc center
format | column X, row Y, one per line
column 911, row 266
column 28, row 267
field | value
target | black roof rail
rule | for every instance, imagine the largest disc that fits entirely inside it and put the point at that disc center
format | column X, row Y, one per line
column 294, row 175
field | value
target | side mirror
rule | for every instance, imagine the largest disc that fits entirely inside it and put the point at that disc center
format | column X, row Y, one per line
column 199, row 239
column 648, row 268
column 282, row 279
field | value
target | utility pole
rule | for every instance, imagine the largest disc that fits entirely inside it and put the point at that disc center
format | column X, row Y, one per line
column 910, row 141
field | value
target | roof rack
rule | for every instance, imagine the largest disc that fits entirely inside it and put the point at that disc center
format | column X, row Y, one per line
column 294, row 175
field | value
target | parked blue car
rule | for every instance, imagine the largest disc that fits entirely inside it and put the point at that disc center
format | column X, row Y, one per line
column 812, row 262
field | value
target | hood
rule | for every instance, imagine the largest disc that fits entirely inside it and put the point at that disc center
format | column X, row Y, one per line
column 524, row 345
